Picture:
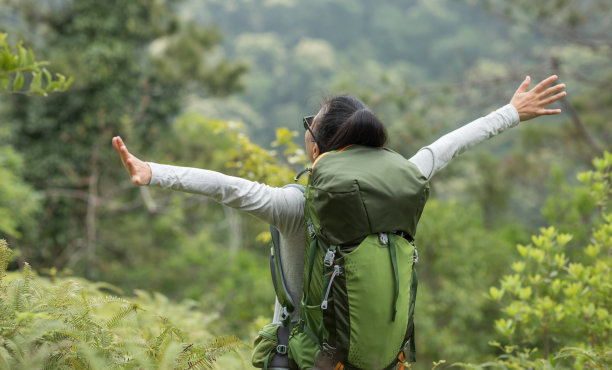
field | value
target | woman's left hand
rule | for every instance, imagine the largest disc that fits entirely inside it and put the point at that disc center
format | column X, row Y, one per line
column 531, row 104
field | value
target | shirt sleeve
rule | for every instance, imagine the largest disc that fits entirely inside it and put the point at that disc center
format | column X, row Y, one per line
column 281, row 207
column 432, row 158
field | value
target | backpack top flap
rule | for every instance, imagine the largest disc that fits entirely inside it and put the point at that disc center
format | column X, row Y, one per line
column 363, row 190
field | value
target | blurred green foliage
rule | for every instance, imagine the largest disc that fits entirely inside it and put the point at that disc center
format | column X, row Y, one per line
column 176, row 89
column 18, row 201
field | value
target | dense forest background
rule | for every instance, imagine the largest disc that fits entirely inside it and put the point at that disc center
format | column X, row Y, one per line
column 224, row 84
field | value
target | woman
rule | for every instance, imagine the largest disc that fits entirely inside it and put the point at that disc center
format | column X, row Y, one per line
column 342, row 120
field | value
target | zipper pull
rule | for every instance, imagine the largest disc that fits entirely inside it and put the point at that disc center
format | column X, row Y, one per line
column 297, row 177
column 337, row 271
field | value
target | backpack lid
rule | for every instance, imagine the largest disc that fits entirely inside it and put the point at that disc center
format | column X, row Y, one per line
column 364, row 190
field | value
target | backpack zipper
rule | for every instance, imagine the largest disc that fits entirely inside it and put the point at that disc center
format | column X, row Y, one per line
column 336, row 272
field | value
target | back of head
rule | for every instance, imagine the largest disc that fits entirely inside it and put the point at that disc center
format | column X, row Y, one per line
column 347, row 120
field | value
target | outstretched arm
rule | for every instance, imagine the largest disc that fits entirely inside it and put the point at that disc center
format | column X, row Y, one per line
column 523, row 106
column 281, row 207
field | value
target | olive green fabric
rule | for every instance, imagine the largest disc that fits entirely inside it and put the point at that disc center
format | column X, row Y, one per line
column 363, row 190
column 352, row 197
column 375, row 339
column 302, row 350
column 265, row 343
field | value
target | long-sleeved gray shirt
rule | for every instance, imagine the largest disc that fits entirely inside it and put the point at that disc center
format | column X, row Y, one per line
column 284, row 207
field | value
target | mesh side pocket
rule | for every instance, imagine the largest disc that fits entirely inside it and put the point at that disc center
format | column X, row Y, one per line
column 265, row 342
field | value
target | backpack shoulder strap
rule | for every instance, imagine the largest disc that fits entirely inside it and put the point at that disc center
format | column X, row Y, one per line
column 276, row 267
column 278, row 357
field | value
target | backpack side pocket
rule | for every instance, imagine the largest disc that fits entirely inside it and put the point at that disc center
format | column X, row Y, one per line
column 265, row 344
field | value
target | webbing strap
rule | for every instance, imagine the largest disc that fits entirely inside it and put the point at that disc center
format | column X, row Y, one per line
column 281, row 359
column 273, row 272
column 311, row 252
column 395, row 272
column 413, row 293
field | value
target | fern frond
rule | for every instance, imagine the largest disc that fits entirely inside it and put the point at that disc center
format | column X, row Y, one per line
column 18, row 298
column 5, row 255
column 224, row 344
column 54, row 361
column 27, row 277
column 63, row 295
column 14, row 351
column 102, row 286
column 158, row 342
column 82, row 322
column 121, row 314
column 204, row 357
column 97, row 301
column 178, row 333
column 60, row 335
column 5, row 359
column 203, row 363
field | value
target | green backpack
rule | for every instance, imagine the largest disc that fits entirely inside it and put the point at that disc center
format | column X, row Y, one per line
column 357, row 311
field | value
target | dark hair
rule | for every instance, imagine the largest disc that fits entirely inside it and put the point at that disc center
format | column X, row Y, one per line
column 347, row 120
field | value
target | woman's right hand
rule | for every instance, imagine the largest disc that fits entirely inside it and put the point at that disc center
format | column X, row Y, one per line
column 139, row 171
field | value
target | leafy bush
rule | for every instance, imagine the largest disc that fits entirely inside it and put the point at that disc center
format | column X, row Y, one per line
column 71, row 323
column 557, row 310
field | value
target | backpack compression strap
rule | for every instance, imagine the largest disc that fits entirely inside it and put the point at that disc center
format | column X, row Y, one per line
column 395, row 273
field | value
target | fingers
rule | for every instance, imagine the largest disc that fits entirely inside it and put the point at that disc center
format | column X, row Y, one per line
column 118, row 145
column 115, row 145
column 553, row 89
column 548, row 112
column 542, row 85
column 124, row 154
column 524, row 85
column 121, row 149
column 553, row 98
column 139, row 171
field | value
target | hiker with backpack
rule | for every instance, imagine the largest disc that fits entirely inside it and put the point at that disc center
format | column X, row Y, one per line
column 343, row 248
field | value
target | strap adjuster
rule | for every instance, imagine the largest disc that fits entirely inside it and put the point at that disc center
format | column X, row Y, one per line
column 328, row 261
column 284, row 313
column 281, row 349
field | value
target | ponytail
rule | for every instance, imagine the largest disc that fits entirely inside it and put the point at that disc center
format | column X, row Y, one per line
column 347, row 120
column 362, row 128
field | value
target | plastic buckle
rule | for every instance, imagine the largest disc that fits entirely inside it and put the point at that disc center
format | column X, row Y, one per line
column 281, row 349
column 329, row 258
column 383, row 238
column 311, row 229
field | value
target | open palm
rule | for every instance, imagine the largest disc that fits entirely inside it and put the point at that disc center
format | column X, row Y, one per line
column 139, row 171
